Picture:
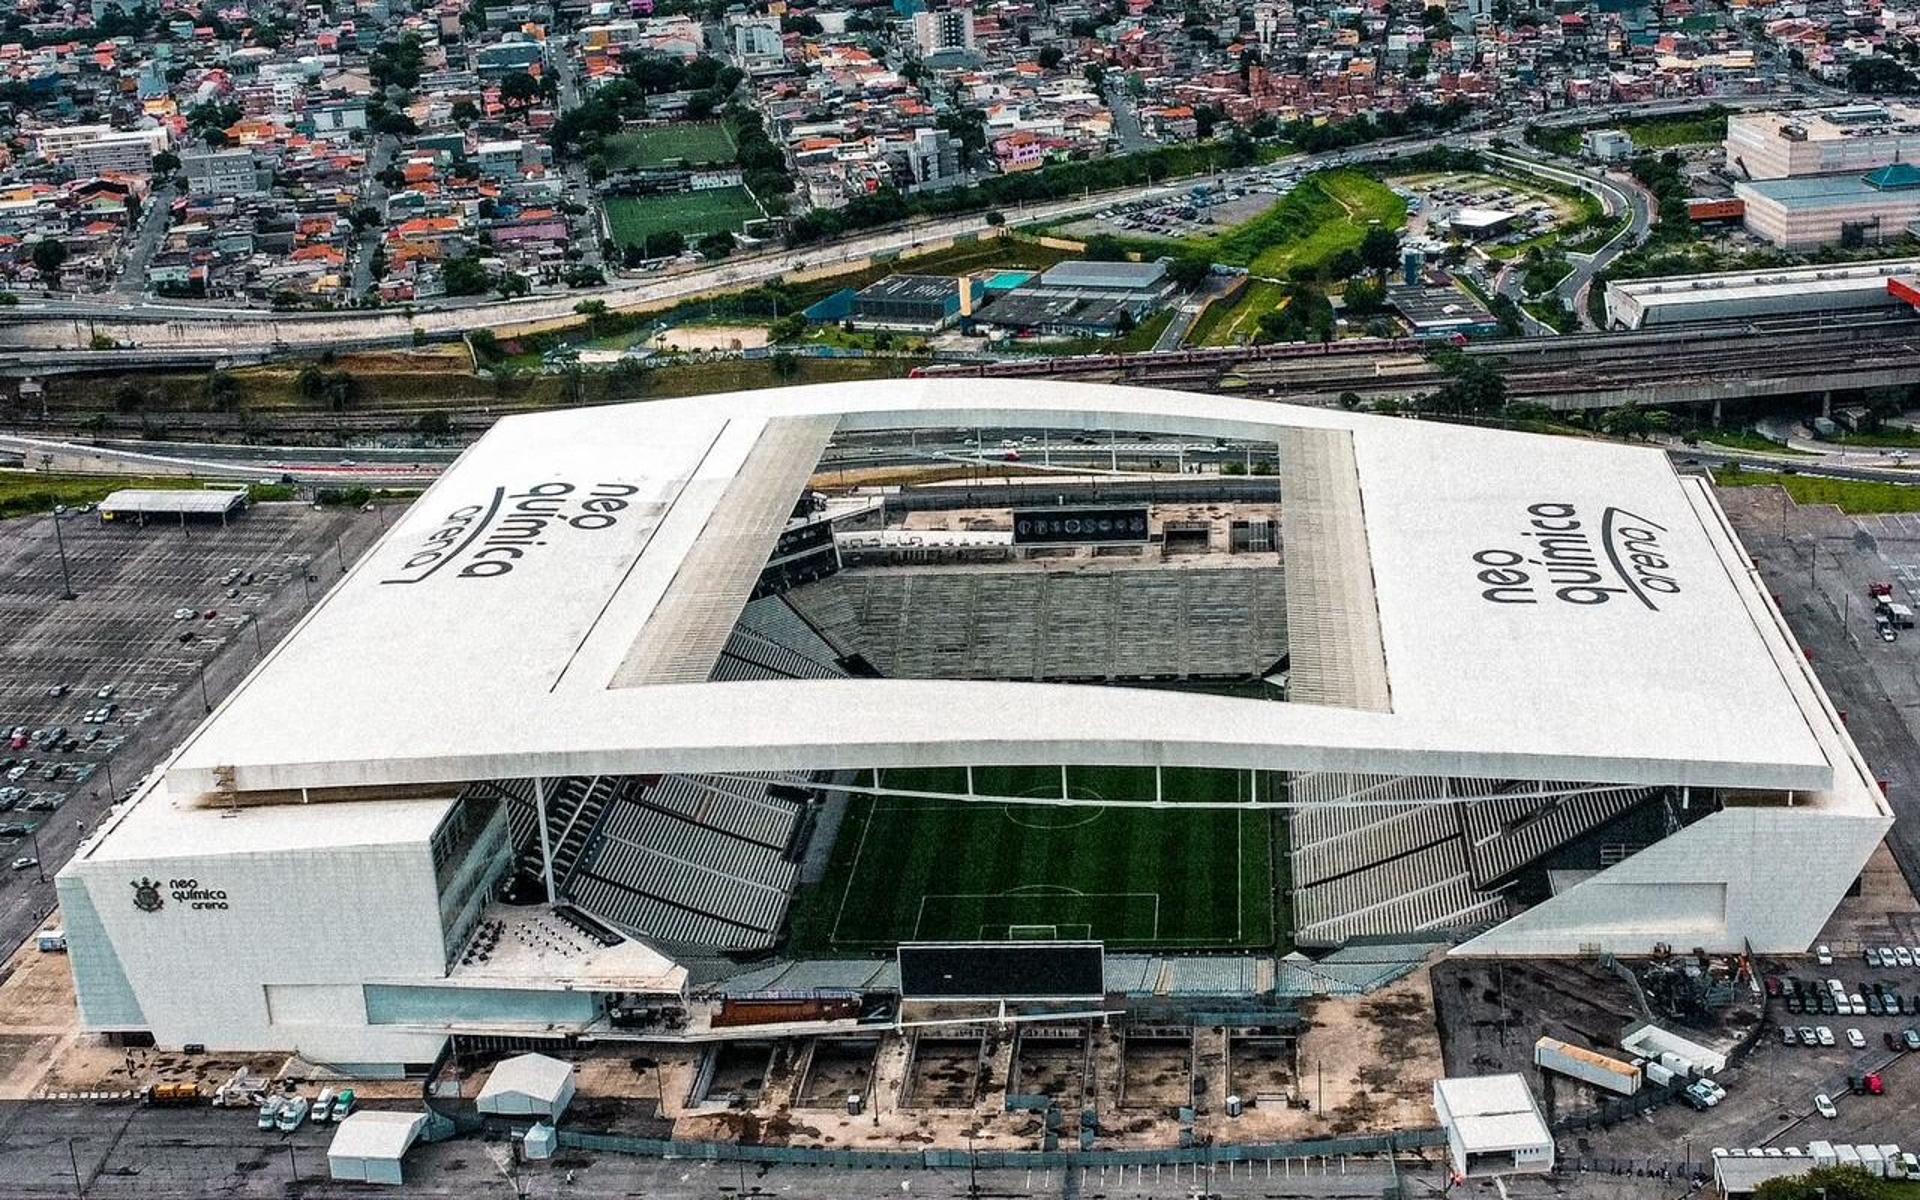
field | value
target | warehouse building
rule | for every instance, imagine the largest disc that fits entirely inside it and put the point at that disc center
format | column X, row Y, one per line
column 1668, row 299
column 554, row 743
column 1852, row 138
column 1807, row 212
column 1082, row 299
column 908, row 303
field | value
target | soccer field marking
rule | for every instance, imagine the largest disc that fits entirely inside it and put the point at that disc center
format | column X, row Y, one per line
column 853, row 874
column 1021, row 893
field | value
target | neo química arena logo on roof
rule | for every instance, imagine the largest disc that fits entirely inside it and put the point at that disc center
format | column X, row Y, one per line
column 487, row 540
column 1570, row 560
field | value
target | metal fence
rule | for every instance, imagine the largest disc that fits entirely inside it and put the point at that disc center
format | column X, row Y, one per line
column 1326, row 1148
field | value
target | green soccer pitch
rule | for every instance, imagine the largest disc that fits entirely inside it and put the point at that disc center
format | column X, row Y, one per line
column 933, row 869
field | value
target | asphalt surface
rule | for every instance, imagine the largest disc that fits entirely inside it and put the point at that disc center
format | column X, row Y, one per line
column 120, row 632
column 1818, row 566
column 120, row 1151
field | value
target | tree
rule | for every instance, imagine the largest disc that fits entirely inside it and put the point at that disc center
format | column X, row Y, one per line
column 48, row 256
column 1104, row 247
column 1474, row 385
column 519, row 90
column 716, row 245
column 968, row 127
column 1380, row 249
column 790, row 328
column 996, row 218
column 433, row 424
column 1364, row 297
column 785, row 365
column 1050, row 58
column 222, row 391
column 512, row 284
column 465, row 276
column 1095, row 74
column 1124, row 324
column 465, row 112
column 166, row 163
column 1832, row 1183
column 1190, row 270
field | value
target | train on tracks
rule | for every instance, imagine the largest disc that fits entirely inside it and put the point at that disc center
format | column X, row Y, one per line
column 1220, row 356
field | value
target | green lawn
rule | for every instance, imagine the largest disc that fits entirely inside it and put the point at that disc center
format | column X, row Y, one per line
column 1666, row 132
column 1849, row 495
column 927, row 868
column 1747, row 439
column 695, row 145
column 1231, row 323
column 634, row 218
column 1889, row 439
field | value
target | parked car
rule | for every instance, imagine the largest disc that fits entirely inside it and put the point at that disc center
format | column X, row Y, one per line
column 1823, row 1105
column 293, row 1112
column 1856, row 1039
column 269, row 1112
column 1825, row 1035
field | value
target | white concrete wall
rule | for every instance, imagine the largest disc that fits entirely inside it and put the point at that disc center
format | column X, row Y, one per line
column 280, row 967
column 1769, row 876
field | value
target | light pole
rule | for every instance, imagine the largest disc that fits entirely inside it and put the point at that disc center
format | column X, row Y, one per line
column 259, row 646
column 206, row 705
column 60, row 544
column 39, row 866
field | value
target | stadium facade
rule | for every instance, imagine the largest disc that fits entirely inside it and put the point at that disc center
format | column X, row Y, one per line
column 1535, row 696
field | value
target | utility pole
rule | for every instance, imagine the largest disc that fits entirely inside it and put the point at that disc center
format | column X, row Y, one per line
column 60, row 544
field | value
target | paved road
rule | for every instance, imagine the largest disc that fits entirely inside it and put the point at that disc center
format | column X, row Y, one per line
column 132, row 279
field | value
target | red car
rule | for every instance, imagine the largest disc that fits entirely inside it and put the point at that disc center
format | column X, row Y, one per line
column 1875, row 1086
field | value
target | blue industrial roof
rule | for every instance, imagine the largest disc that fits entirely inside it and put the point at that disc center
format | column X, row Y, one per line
column 1893, row 177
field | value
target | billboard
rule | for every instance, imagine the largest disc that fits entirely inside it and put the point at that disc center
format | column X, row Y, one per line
column 1054, row 526
column 1002, row 971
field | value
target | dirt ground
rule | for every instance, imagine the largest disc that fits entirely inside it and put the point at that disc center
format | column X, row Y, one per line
column 1159, row 1073
column 1366, row 1063
column 838, row 1067
column 715, row 337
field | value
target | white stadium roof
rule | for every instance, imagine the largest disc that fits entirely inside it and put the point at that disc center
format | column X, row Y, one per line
column 1504, row 605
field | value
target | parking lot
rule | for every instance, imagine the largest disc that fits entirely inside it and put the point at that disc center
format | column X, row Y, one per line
column 95, row 690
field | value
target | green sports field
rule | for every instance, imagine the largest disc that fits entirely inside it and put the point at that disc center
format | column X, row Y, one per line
column 695, row 145
column 929, row 868
column 632, row 218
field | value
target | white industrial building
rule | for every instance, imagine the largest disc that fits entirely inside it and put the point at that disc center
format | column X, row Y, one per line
column 1835, row 287
column 1493, row 1126
column 564, row 665
column 1788, row 143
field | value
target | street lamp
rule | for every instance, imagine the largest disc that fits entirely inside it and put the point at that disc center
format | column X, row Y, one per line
column 60, row 544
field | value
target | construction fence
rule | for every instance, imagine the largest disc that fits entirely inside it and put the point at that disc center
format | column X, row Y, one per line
column 1325, row 1148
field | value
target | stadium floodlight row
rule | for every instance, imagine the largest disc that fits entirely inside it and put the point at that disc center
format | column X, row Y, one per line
column 524, row 670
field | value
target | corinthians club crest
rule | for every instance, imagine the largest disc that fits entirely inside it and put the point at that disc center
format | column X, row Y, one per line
column 146, row 895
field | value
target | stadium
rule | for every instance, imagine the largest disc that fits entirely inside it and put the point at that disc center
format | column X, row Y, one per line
column 637, row 703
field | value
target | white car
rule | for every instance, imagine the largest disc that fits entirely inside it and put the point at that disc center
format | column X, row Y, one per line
column 1871, row 956
column 1859, row 1004
column 1903, row 956
column 184, row 614
column 1824, row 1106
column 1823, row 956
column 1856, row 1039
column 1824, row 1034
column 1713, row 1089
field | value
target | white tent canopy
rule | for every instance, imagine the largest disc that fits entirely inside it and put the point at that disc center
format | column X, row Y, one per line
column 368, row 1146
column 528, row 1085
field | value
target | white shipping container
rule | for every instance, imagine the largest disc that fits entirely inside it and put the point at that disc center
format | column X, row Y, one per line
column 1871, row 1160
column 1822, row 1154
column 1678, row 1065
column 1577, row 1062
column 1658, row 1074
column 1846, row 1155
